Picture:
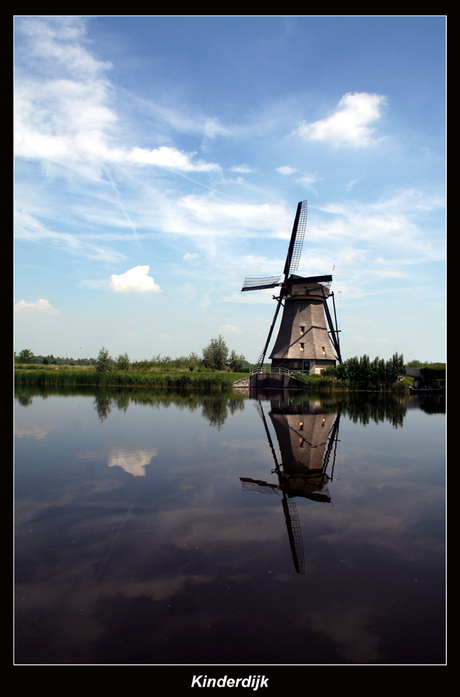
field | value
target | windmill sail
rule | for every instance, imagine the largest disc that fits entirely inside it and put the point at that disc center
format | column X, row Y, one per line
column 270, row 332
column 294, row 534
column 297, row 237
column 261, row 283
column 248, row 484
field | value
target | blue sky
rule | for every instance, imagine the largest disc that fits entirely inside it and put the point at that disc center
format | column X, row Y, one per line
column 159, row 161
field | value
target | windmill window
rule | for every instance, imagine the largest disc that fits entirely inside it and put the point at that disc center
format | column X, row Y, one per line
column 302, row 330
column 324, row 350
column 302, row 346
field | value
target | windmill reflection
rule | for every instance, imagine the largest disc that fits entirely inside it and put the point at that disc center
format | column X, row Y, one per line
column 307, row 438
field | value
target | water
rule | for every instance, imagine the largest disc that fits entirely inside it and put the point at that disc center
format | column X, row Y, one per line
column 169, row 529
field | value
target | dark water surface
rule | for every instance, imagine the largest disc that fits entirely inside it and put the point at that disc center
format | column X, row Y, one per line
column 160, row 529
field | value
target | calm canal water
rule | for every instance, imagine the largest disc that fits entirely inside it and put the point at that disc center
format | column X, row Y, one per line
column 188, row 529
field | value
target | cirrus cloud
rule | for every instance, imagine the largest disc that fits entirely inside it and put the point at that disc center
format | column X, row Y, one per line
column 135, row 280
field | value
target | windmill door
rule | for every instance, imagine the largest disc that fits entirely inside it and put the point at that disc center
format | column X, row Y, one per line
column 306, row 366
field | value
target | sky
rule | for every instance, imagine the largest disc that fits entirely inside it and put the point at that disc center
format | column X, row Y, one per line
column 159, row 161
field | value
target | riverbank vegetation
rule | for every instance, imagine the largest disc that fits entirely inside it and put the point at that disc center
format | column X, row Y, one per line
column 364, row 374
column 218, row 368
column 177, row 379
column 215, row 357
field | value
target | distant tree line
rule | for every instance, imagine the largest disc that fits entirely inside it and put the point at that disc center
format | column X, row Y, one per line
column 27, row 357
column 215, row 357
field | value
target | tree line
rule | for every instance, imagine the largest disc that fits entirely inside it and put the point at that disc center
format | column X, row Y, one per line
column 361, row 373
column 365, row 374
column 216, row 356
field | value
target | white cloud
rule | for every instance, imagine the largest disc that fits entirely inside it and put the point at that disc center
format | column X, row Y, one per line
column 57, row 40
column 190, row 256
column 167, row 157
column 213, row 128
column 232, row 220
column 29, row 228
column 307, row 180
column 40, row 305
column 230, row 329
column 287, row 169
column 70, row 120
column 241, row 169
column 350, row 123
column 135, row 280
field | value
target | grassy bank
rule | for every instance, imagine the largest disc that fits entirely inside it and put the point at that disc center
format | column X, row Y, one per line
column 331, row 383
column 125, row 378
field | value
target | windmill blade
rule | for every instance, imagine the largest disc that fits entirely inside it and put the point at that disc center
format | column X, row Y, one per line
column 294, row 534
column 325, row 279
column 333, row 332
column 269, row 438
column 262, row 355
column 261, row 283
column 296, row 242
column 248, row 484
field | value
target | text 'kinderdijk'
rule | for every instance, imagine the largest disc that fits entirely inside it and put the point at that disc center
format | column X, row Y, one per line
column 252, row 681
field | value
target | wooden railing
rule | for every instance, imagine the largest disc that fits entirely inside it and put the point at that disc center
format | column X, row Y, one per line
column 277, row 371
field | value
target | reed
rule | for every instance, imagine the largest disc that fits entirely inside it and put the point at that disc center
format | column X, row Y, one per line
column 127, row 378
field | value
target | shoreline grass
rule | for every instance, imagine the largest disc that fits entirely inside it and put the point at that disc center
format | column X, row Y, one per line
column 125, row 378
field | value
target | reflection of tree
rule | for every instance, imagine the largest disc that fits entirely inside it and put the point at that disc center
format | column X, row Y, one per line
column 24, row 400
column 432, row 404
column 217, row 410
column 122, row 402
column 103, row 406
column 366, row 407
column 359, row 407
column 363, row 407
column 376, row 408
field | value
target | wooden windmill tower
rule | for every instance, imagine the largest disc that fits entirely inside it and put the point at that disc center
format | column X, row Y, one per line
column 307, row 340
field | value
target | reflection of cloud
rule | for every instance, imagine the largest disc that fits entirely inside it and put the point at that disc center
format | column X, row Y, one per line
column 204, row 528
column 388, row 517
column 131, row 461
column 38, row 432
column 351, row 629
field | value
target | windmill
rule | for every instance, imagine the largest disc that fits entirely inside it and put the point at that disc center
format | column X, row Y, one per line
column 307, row 339
column 299, row 474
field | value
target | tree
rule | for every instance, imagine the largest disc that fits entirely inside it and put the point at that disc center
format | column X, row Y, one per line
column 26, row 356
column 215, row 354
column 364, row 374
column 236, row 363
column 122, row 362
column 104, row 361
